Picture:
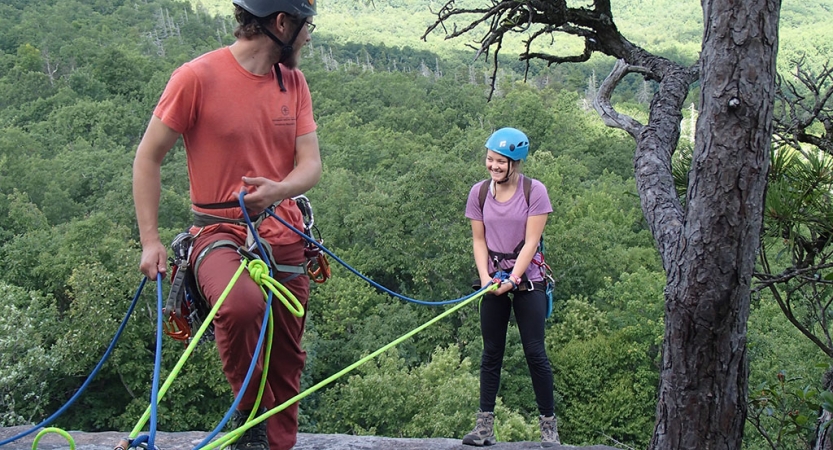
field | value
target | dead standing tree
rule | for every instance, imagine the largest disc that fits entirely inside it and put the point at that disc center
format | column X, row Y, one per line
column 708, row 247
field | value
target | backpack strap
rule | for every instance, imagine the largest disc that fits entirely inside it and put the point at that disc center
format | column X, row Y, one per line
column 484, row 191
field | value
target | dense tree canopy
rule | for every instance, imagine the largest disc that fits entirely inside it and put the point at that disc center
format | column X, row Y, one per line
column 401, row 126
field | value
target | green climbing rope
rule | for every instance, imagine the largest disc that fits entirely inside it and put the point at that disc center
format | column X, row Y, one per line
column 228, row 438
column 188, row 350
column 45, row 431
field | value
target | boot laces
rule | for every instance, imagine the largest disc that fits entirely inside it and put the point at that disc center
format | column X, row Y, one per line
column 549, row 429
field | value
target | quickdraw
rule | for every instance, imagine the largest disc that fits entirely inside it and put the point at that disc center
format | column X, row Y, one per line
column 318, row 268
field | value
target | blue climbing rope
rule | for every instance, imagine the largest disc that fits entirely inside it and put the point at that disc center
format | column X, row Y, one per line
column 92, row 375
column 359, row 274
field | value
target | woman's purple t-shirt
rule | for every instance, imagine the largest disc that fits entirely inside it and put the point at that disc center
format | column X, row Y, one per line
column 505, row 222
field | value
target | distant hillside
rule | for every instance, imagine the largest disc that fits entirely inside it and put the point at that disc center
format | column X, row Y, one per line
column 669, row 27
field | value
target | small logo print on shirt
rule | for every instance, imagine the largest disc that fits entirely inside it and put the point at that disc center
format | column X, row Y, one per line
column 283, row 121
column 285, row 110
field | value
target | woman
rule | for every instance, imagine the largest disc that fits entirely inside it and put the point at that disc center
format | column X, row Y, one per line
column 506, row 228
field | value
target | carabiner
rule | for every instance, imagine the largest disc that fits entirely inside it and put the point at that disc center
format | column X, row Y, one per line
column 306, row 210
column 318, row 269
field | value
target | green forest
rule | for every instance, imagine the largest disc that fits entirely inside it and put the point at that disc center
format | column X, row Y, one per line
column 401, row 123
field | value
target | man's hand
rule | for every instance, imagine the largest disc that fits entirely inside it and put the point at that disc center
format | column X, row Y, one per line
column 154, row 260
column 262, row 193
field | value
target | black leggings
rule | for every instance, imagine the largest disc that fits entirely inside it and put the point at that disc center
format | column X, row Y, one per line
column 530, row 313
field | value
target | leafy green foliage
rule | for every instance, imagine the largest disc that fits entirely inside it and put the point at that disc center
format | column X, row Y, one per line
column 635, row 305
column 607, row 389
column 784, row 412
column 26, row 330
column 402, row 125
column 600, row 234
column 438, row 399
column 799, row 208
column 802, row 365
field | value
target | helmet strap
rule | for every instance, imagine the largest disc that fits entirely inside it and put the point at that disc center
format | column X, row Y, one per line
column 286, row 50
column 508, row 173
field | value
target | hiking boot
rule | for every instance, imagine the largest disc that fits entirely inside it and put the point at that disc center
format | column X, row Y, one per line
column 549, row 431
column 483, row 432
column 252, row 439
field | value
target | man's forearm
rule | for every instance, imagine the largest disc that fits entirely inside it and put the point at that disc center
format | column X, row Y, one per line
column 146, row 193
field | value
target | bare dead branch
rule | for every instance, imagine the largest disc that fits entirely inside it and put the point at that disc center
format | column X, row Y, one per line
column 541, row 18
column 766, row 280
column 494, row 69
column 448, row 11
column 801, row 103
column 601, row 103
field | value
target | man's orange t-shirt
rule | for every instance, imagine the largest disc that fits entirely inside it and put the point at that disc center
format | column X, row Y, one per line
column 234, row 124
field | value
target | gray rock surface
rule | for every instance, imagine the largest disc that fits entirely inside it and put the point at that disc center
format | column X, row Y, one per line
column 188, row 440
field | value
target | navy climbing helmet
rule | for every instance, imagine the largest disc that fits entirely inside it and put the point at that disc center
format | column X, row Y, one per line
column 263, row 8
column 509, row 142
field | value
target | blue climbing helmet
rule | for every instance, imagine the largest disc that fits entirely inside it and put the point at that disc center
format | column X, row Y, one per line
column 509, row 142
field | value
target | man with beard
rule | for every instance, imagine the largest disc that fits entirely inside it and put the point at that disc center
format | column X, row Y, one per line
column 245, row 115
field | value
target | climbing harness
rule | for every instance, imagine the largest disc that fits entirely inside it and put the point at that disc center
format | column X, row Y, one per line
column 319, row 266
column 548, row 285
column 186, row 307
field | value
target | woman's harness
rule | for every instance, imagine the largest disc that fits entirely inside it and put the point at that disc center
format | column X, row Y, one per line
column 548, row 285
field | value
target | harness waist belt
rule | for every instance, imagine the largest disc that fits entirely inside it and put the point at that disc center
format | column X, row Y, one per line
column 203, row 220
column 533, row 286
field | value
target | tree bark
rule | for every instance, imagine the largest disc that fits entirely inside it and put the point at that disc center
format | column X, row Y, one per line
column 703, row 379
column 708, row 244
column 823, row 438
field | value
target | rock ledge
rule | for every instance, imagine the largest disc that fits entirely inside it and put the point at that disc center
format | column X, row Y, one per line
column 189, row 439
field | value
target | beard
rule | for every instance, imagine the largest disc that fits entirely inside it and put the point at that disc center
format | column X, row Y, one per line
column 293, row 60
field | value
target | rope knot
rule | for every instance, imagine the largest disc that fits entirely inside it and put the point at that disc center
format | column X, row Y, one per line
column 258, row 270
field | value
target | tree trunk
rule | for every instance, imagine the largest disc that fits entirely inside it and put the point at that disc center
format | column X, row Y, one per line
column 823, row 439
column 703, row 379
